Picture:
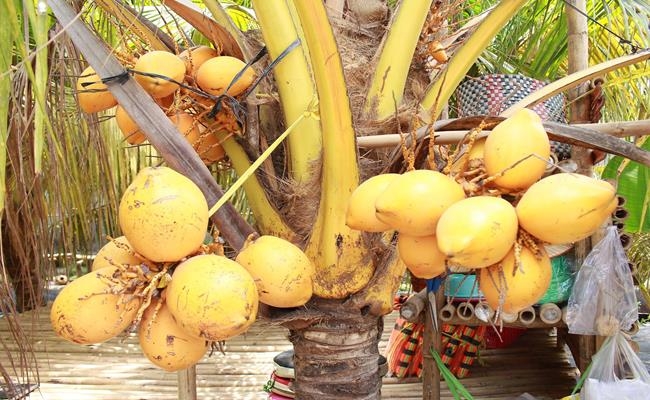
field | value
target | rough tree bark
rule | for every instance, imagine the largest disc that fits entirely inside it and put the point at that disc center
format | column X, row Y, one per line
column 337, row 357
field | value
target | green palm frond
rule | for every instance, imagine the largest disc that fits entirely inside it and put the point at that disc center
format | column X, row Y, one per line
column 241, row 13
column 640, row 260
column 535, row 44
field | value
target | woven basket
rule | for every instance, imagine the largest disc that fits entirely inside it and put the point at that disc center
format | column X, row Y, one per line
column 492, row 94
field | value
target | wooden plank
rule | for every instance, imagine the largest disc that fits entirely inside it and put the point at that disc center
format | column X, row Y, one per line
column 187, row 383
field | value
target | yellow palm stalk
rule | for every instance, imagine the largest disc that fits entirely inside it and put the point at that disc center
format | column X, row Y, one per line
column 389, row 79
column 294, row 83
column 342, row 264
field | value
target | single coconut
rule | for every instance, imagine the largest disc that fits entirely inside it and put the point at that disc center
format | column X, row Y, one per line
column 165, row 343
column 212, row 297
column 414, row 201
column 361, row 212
column 517, row 150
column 565, row 208
column 89, row 310
column 282, row 272
column 158, row 71
column 92, row 94
column 478, row 231
column 163, row 214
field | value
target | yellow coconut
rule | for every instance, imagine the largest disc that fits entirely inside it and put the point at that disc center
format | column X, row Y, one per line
column 195, row 57
column 92, row 94
column 186, row 125
column 477, row 150
column 116, row 252
column 282, row 272
column 565, row 208
column 212, row 297
column 414, row 201
column 516, row 287
column 166, row 102
column 132, row 133
column 163, row 214
column 518, row 148
column 474, row 158
column 478, row 231
column 208, row 147
column 165, row 343
column 361, row 213
column 163, row 63
column 88, row 311
column 216, row 74
column 421, row 255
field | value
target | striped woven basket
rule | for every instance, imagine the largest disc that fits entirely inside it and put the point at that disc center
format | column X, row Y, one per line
column 492, row 94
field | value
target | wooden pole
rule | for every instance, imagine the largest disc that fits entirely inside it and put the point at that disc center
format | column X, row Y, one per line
column 580, row 105
column 432, row 339
column 578, row 47
column 187, row 383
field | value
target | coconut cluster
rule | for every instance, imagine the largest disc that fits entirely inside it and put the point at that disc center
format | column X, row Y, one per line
column 161, row 279
column 205, row 75
column 492, row 211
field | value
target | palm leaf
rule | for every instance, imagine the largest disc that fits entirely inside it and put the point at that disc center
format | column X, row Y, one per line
column 633, row 179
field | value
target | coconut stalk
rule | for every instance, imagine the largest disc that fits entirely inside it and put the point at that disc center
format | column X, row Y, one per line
column 342, row 265
column 575, row 82
column 617, row 129
column 295, row 86
column 444, row 86
column 267, row 218
column 588, row 135
column 223, row 22
column 394, row 59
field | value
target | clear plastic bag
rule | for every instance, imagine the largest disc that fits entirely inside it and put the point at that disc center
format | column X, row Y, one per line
column 603, row 300
column 616, row 373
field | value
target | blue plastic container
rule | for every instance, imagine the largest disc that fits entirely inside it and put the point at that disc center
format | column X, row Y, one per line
column 462, row 287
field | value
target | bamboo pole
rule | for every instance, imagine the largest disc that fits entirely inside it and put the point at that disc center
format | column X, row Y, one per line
column 578, row 59
column 617, row 129
column 414, row 306
column 572, row 134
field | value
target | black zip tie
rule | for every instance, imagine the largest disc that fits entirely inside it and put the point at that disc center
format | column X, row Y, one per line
column 272, row 65
column 120, row 78
column 238, row 111
column 623, row 41
column 234, row 103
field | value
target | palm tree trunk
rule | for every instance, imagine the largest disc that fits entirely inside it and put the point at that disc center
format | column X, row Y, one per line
column 337, row 358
